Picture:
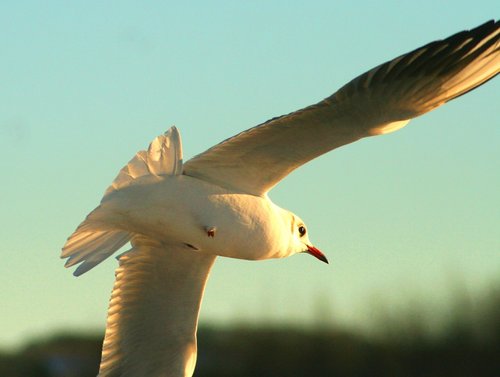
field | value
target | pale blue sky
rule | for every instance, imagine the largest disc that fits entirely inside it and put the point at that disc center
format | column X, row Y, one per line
column 84, row 85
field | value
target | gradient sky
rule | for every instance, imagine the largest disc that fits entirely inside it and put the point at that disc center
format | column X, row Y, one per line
column 84, row 85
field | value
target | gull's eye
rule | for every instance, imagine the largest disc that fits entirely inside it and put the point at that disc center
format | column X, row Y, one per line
column 302, row 230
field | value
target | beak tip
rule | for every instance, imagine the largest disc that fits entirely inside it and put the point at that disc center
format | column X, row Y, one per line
column 323, row 259
column 317, row 254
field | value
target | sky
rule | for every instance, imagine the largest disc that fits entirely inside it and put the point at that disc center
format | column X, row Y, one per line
column 85, row 85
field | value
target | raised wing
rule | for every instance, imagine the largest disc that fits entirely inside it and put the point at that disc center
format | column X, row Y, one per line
column 153, row 311
column 382, row 100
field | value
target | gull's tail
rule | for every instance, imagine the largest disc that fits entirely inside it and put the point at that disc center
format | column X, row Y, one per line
column 95, row 239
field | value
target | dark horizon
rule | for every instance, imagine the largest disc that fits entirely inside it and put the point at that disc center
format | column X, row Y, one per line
column 468, row 345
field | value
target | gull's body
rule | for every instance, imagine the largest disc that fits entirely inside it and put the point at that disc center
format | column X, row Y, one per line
column 179, row 217
column 178, row 208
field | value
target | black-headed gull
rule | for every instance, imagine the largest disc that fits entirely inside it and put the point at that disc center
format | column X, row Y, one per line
column 179, row 217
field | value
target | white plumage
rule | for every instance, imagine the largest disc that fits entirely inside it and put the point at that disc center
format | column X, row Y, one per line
column 179, row 217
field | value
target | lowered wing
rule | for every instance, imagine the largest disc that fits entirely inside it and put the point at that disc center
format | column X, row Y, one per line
column 153, row 311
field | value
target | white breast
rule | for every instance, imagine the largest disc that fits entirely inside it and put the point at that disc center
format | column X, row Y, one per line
column 180, row 209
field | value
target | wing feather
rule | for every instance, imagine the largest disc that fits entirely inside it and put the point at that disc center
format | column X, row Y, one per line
column 381, row 100
column 153, row 311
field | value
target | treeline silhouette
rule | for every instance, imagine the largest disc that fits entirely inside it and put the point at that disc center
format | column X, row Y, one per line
column 467, row 345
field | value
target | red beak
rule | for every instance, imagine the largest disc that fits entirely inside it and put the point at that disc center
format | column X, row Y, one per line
column 316, row 253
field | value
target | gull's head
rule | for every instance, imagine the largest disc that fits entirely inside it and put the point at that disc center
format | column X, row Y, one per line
column 300, row 242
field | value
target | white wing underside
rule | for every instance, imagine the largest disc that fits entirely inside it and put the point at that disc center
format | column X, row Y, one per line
column 380, row 101
column 153, row 311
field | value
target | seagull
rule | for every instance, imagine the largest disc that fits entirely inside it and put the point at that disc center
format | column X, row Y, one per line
column 178, row 217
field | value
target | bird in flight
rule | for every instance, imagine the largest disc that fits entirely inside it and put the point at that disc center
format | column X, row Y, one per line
column 178, row 217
